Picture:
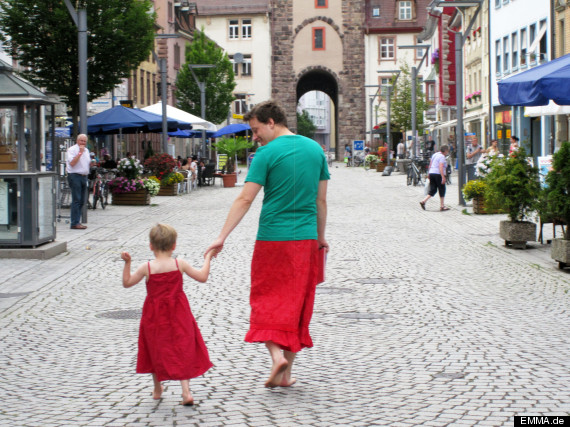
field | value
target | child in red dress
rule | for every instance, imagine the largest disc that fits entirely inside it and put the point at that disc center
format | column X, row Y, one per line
column 170, row 344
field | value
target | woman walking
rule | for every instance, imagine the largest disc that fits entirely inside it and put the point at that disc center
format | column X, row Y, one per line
column 437, row 168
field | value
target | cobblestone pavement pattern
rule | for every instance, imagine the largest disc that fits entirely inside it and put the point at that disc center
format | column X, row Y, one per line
column 425, row 318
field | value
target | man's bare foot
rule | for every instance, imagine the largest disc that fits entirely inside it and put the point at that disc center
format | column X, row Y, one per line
column 157, row 393
column 277, row 373
column 287, row 382
column 187, row 400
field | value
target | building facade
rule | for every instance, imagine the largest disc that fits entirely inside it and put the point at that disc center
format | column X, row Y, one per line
column 520, row 38
column 242, row 29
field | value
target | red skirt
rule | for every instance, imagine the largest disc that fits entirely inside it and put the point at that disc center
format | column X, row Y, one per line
column 283, row 282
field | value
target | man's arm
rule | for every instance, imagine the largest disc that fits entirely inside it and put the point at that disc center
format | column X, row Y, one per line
column 238, row 210
column 322, row 214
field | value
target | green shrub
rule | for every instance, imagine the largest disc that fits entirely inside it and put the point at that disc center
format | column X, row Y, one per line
column 474, row 188
column 513, row 183
column 556, row 194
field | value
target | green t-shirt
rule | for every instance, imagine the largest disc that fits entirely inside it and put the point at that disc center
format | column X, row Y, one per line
column 289, row 168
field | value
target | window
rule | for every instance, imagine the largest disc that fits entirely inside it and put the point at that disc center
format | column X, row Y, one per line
column 319, row 38
column 176, row 56
column 419, row 52
column 561, row 44
column 321, row 3
column 431, row 92
column 498, row 56
column 170, row 12
column 523, row 47
column 506, row 49
column 387, row 48
column 531, row 37
column 375, row 12
column 405, row 10
column 233, row 29
column 542, row 46
column 384, row 80
column 246, row 66
column 240, row 106
column 235, row 66
column 497, row 3
column 246, row 28
column 514, row 51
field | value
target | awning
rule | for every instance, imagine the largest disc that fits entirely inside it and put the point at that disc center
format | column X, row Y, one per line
column 552, row 109
column 539, row 85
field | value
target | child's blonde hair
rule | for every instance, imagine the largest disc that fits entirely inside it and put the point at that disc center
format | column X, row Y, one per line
column 163, row 237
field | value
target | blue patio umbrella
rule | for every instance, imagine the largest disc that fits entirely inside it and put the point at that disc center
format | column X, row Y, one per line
column 181, row 133
column 539, row 85
column 129, row 120
column 233, row 128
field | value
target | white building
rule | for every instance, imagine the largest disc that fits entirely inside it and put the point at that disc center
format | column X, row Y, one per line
column 520, row 39
column 318, row 105
column 242, row 29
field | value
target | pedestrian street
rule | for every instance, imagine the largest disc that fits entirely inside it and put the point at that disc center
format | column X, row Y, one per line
column 425, row 318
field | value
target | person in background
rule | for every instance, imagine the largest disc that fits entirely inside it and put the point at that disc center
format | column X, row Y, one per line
column 78, row 165
column 472, row 155
column 437, row 172
column 514, row 145
column 109, row 163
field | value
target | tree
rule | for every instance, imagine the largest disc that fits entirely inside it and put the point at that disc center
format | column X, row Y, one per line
column 219, row 80
column 305, row 125
column 401, row 108
column 42, row 36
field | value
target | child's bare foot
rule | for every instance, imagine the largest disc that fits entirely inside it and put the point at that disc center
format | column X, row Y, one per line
column 287, row 382
column 157, row 392
column 276, row 375
column 187, row 399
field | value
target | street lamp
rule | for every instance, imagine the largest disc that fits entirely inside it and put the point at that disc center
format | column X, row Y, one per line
column 460, row 39
column 202, row 87
column 414, row 90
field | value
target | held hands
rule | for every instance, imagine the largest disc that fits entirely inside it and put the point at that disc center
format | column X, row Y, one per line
column 216, row 246
column 125, row 256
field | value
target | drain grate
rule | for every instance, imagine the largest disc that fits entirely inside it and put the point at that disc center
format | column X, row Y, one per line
column 366, row 316
column 330, row 291
column 375, row 280
column 112, row 239
column 450, row 375
column 14, row 295
column 121, row 314
column 349, row 260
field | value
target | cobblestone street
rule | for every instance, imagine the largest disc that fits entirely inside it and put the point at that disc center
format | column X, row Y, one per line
column 425, row 318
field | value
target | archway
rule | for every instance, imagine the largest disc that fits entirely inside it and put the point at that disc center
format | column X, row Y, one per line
column 322, row 80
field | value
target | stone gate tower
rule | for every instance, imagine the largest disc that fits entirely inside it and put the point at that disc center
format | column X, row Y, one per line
column 319, row 45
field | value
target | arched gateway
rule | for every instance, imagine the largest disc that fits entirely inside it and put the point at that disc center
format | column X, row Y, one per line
column 319, row 45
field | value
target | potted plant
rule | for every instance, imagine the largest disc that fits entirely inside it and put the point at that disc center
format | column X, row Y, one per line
column 230, row 147
column 475, row 190
column 556, row 195
column 371, row 160
column 513, row 183
column 382, row 159
column 162, row 167
column 128, row 188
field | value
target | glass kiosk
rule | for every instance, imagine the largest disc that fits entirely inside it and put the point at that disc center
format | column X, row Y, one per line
column 27, row 163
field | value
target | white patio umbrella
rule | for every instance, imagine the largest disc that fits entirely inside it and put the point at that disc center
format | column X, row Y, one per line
column 177, row 114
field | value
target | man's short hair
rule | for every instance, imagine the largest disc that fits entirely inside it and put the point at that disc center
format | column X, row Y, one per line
column 515, row 138
column 162, row 237
column 267, row 110
column 444, row 149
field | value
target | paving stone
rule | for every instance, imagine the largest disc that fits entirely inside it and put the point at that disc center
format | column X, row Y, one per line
column 470, row 336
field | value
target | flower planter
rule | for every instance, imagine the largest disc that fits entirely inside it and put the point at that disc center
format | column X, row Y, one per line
column 380, row 166
column 168, row 190
column 139, row 197
column 560, row 252
column 229, row 179
column 516, row 234
column 480, row 208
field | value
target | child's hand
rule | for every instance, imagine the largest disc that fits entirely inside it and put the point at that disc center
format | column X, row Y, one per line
column 213, row 253
column 125, row 256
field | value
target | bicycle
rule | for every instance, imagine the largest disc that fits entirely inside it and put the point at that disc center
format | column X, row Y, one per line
column 415, row 171
column 100, row 189
column 448, row 170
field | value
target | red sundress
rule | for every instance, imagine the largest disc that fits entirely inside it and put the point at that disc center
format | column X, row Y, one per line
column 170, row 343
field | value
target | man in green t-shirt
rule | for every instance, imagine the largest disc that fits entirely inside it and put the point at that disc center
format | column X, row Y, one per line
column 293, row 171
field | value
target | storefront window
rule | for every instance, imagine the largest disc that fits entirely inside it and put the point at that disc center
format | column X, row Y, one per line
column 8, row 209
column 8, row 138
column 45, row 207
